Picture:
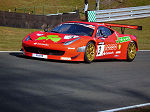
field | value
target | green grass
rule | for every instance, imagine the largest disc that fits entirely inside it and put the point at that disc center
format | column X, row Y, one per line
column 11, row 38
column 134, row 3
column 50, row 6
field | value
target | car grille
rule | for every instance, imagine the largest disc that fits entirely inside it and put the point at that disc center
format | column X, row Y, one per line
column 44, row 51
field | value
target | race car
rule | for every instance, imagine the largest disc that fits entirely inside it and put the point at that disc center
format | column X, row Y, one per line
column 82, row 41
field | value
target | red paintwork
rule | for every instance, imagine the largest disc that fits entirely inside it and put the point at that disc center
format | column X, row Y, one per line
column 111, row 49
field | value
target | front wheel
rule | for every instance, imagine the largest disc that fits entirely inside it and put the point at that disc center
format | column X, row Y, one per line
column 131, row 51
column 89, row 52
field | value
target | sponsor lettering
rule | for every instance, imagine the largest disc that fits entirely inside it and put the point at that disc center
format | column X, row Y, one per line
column 123, row 39
column 109, row 47
column 65, row 58
column 40, row 44
column 103, row 49
column 108, row 53
column 70, row 36
column 118, row 52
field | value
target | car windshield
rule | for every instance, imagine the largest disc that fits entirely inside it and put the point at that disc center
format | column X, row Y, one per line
column 74, row 29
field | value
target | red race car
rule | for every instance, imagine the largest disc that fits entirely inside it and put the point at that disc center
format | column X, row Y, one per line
column 82, row 41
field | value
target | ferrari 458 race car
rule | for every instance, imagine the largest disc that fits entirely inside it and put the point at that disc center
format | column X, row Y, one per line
column 81, row 41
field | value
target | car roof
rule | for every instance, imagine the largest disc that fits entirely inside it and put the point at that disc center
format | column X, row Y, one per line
column 90, row 23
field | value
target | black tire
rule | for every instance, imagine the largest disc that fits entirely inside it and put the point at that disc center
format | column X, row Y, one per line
column 89, row 54
column 131, row 51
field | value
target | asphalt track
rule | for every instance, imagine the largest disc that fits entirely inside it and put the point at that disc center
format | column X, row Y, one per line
column 35, row 85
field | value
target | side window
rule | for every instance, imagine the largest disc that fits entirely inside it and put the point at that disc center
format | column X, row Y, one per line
column 103, row 31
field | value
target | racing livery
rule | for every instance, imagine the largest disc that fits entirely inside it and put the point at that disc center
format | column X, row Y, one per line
column 81, row 41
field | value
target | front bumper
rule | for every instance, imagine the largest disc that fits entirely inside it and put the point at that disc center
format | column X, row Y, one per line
column 55, row 52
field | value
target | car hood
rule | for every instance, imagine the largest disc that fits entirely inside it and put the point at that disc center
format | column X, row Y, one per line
column 49, row 38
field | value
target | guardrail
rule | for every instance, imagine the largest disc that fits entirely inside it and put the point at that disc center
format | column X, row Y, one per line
column 119, row 14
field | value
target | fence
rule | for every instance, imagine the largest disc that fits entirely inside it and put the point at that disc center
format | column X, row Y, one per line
column 23, row 20
column 43, row 10
column 119, row 14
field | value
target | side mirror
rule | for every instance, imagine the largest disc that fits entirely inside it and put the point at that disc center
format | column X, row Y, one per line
column 45, row 27
column 105, row 36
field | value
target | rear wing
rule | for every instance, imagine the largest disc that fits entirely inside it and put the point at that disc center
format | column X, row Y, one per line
column 122, row 26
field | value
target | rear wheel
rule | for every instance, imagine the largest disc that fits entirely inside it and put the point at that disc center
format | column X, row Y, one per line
column 131, row 51
column 89, row 52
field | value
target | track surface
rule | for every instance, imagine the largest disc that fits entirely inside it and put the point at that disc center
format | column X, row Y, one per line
column 33, row 85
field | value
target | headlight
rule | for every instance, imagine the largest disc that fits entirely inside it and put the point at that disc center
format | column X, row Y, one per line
column 28, row 38
column 70, row 42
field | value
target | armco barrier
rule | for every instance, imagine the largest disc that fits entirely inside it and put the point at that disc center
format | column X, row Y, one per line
column 119, row 14
column 23, row 20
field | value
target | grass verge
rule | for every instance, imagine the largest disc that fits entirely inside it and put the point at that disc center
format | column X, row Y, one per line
column 11, row 38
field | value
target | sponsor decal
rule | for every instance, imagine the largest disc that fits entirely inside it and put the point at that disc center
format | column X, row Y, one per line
column 91, row 26
column 65, row 58
column 101, row 24
column 109, row 47
column 70, row 36
column 71, row 48
column 101, row 43
column 116, row 56
column 39, row 34
column 119, row 46
column 40, row 44
column 85, row 25
column 108, row 53
column 122, row 39
column 54, row 38
column 118, row 52
column 39, row 56
column 103, row 49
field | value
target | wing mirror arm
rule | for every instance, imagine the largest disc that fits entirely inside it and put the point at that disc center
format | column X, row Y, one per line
column 105, row 36
column 45, row 27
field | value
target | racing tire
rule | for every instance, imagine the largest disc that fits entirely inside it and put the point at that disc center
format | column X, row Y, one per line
column 89, row 54
column 131, row 51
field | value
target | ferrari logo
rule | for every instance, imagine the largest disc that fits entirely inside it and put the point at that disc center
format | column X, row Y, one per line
column 54, row 38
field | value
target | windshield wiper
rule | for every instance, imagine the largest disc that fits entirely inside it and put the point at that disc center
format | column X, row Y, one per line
column 54, row 31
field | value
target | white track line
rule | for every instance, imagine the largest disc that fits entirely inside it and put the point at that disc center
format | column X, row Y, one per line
column 124, row 108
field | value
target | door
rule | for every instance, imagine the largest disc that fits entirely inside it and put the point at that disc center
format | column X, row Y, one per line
column 106, row 43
